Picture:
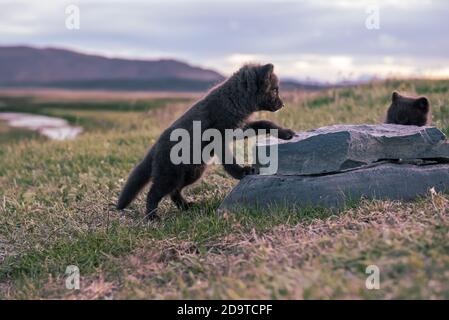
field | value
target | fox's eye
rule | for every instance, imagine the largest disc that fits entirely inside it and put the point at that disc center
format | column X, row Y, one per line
column 275, row 90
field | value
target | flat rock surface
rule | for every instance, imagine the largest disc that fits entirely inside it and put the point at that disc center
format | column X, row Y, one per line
column 342, row 147
column 384, row 181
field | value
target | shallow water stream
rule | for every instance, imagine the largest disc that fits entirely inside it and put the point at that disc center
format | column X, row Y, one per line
column 50, row 127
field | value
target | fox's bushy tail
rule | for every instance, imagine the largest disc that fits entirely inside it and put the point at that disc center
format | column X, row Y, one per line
column 138, row 178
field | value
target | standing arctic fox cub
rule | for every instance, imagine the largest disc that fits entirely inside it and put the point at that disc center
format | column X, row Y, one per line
column 227, row 106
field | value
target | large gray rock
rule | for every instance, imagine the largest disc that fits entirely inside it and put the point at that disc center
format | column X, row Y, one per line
column 384, row 181
column 341, row 147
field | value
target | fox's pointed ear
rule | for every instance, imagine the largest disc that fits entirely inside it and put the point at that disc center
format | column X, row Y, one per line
column 422, row 104
column 264, row 74
column 395, row 96
column 266, row 71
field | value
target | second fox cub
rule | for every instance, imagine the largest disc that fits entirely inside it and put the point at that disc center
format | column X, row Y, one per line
column 227, row 106
column 408, row 110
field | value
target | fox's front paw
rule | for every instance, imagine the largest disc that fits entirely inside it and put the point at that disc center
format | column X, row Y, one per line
column 248, row 170
column 286, row 134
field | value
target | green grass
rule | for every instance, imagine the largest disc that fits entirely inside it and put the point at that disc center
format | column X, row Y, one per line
column 9, row 135
column 92, row 250
column 57, row 209
column 31, row 105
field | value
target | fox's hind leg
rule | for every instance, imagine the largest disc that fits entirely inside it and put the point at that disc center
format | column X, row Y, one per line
column 158, row 190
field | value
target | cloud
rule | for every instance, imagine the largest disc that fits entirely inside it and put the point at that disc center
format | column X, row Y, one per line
column 335, row 68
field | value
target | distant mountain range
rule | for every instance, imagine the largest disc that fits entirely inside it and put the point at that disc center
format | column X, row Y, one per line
column 22, row 66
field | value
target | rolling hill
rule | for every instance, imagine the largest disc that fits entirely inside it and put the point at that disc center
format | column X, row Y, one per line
column 22, row 66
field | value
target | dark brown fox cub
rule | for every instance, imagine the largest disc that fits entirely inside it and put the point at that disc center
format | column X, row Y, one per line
column 408, row 110
column 227, row 106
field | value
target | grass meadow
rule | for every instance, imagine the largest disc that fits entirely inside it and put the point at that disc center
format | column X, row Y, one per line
column 57, row 209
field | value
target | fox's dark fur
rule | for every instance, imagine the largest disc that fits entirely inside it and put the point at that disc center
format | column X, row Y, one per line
column 408, row 110
column 227, row 106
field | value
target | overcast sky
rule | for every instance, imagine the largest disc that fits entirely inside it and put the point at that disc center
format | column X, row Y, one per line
column 317, row 40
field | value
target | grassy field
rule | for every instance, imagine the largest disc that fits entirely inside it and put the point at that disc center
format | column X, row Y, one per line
column 57, row 209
